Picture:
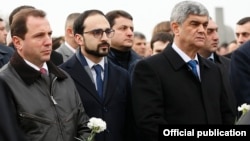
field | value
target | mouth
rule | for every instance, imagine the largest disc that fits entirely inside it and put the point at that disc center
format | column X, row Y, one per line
column 215, row 44
column 201, row 38
column 129, row 40
column 104, row 46
column 47, row 51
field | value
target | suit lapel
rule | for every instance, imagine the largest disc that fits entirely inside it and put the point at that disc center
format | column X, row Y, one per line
column 82, row 77
column 110, row 82
column 174, row 58
column 178, row 63
column 204, row 66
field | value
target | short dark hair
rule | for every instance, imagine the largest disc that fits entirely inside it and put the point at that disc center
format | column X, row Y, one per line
column 79, row 22
column 112, row 15
column 17, row 9
column 161, row 36
column 243, row 21
column 139, row 35
column 18, row 26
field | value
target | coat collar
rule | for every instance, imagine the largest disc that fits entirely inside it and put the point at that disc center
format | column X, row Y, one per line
column 177, row 62
column 28, row 74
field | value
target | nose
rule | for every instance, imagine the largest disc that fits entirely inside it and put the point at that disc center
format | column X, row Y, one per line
column 130, row 32
column 202, row 28
column 104, row 36
column 48, row 40
column 5, row 32
column 143, row 46
column 240, row 39
column 216, row 36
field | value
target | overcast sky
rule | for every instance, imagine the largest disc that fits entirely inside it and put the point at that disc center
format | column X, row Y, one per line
column 146, row 13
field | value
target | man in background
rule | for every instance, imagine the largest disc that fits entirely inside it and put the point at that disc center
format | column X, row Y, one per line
column 242, row 33
column 159, row 41
column 3, row 32
column 121, row 52
column 139, row 44
column 209, row 52
column 68, row 48
column 5, row 51
column 240, row 63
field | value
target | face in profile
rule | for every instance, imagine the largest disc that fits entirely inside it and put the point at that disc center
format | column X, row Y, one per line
column 159, row 46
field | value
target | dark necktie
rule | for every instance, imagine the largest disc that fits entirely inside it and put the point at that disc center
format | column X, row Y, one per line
column 98, row 70
column 192, row 64
column 43, row 71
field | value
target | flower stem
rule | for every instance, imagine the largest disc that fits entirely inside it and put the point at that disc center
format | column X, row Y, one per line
column 92, row 135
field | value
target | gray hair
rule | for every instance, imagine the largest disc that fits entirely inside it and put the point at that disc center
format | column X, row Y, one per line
column 182, row 10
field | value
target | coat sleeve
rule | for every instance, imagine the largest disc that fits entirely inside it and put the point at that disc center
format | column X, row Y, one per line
column 82, row 130
column 239, row 74
column 9, row 129
column 147, row 100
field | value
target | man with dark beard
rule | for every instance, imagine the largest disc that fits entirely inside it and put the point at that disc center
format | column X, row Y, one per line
column 104, row 94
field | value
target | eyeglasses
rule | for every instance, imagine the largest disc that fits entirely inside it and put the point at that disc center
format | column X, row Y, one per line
column 98, row 33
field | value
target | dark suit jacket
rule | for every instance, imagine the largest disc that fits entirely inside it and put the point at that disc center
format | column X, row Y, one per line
column 5, row 54
column 116, row 90
column 165, row 91
column 228, row 55
column 224, row 66
column 240, row 73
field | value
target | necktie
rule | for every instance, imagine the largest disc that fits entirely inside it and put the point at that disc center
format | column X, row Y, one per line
column 98, row 70
column 43, row 71
column 192, row 64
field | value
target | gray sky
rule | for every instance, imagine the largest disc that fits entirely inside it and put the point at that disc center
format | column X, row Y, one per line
column 146, row 13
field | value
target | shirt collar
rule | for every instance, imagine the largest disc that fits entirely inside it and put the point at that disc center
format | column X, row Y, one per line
column 185, row 57
column 70, row 47
column 211, row 56
column 91, row 63
column 35, row 67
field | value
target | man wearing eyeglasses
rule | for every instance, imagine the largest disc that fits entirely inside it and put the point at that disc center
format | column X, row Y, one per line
column 103, row 86
column 121, row 52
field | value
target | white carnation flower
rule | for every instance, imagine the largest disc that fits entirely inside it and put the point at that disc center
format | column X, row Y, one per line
column 244, row 107
column 97, row 124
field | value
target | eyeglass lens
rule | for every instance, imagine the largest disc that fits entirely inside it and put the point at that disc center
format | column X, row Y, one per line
column 98, row 33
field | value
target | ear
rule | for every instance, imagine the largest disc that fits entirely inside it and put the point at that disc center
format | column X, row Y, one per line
column 79, row 39
column 70, row 32
column 18, row 42
column 175, row 28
